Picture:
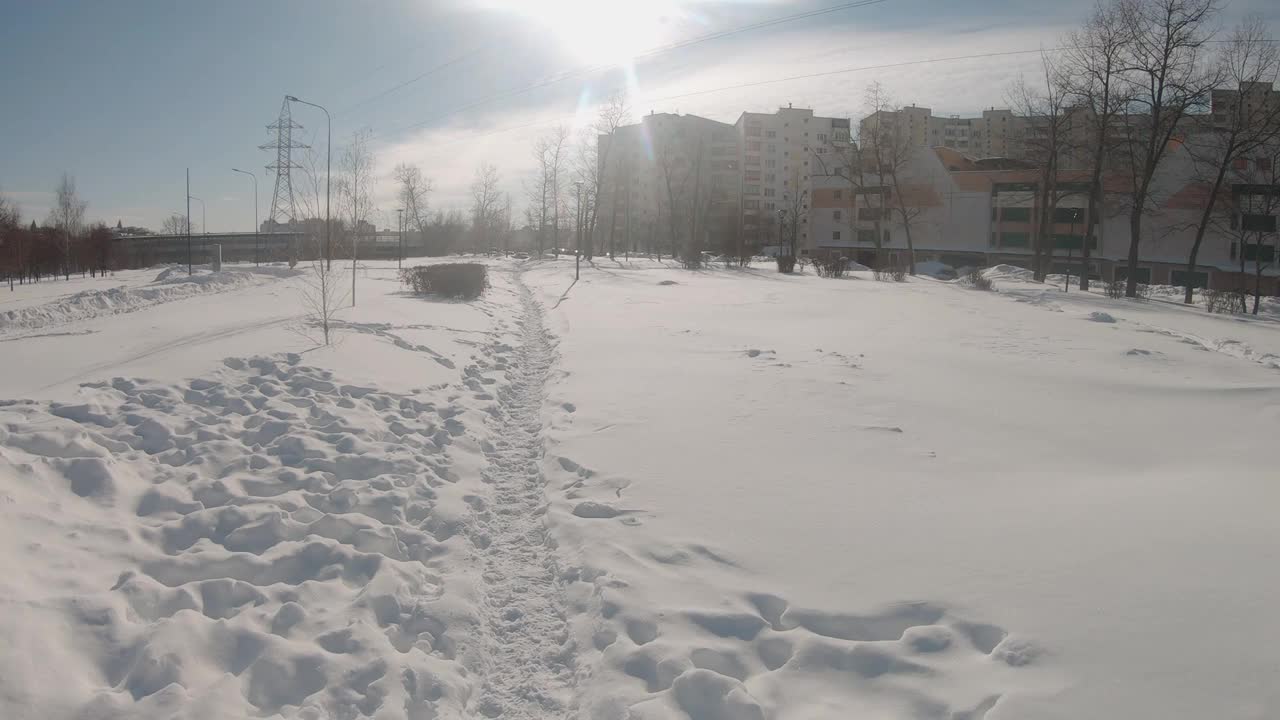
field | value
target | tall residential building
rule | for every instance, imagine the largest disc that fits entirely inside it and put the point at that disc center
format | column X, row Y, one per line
column 779, row 153
column 995, row 134
column 668, row 180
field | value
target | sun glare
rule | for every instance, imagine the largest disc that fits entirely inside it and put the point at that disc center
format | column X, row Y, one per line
column 602, row 31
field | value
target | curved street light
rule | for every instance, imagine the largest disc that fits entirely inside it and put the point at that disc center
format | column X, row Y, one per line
column 328, row 166
column 255, row 212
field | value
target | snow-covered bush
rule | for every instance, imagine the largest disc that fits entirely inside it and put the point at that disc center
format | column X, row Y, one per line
column 451, row 280
column 976, row 280
column 786, row 263
column 831, row 267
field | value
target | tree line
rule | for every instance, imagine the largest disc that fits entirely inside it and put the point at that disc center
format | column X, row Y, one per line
column 61, row 245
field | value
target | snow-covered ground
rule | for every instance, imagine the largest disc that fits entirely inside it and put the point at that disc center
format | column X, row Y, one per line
column 648, row 494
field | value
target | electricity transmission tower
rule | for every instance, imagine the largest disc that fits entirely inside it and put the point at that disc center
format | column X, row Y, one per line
column 283, row 210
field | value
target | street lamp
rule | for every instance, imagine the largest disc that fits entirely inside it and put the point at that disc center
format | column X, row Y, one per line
column 400, row 229
column 204, row 244
column 255, row 212
column 328, row 166
column 577, row 251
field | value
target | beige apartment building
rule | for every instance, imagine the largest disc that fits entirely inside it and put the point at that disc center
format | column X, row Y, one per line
column 667, row 180
column 780, row 153
column 994, row 134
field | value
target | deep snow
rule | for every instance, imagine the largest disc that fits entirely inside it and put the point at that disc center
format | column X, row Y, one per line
column 651, row 493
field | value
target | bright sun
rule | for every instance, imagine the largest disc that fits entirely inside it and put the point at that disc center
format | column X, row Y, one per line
column 602, row 31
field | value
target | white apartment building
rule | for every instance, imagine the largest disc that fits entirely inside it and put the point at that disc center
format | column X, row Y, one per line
column 779, row 153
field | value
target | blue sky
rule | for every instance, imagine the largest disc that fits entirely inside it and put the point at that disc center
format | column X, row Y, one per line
column 125, row 95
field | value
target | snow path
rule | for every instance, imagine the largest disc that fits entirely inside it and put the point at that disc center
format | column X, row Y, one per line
column 530, row 658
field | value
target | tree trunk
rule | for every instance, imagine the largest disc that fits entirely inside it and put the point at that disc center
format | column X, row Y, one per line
column 1135, row 232
column 1205, row 216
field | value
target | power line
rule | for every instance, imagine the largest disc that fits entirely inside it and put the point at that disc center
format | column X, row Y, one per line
column 863, row 68
column 570, row 74
column 753, row 84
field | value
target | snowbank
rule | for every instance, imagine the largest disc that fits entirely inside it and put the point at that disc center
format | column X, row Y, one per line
column 171, row 284
column 1007, row 272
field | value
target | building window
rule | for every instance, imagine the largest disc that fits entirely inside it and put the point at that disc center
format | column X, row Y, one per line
column 770, row 177
column 869, row 213
column 835, row 215
column 750, row 189
column 839, row 194
column 835, row 234
column 1073, row 242
column 1067, row 216
column 887, row 238
column 866, row 236
column 1241, row 164
column 769, row 192
column 770, row 162
column 1259, row 253
column 771, row 133
column 1262, row 164
column 753, row 131
column 1015, row 239
column 773, row 148
column 1197, row 279
column 822, row 137
column 753, row 145
column 1258, row 223
column 1016, row 214
column 1121, row 272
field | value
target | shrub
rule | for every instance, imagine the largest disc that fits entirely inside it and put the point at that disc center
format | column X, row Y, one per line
column 451, row 280
column 898, row 274
column 1226, row 302
column 786, row 263
column 831, row 267
column 1116, row 290
column 976, row 280
column 691, row 259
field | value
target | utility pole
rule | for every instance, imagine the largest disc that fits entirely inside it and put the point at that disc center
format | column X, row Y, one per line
column 188, row 222
column 400, row 229
column 256, row 244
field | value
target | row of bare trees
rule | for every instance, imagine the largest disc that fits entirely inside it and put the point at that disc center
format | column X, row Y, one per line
column 62, row 245
column 1102, row 119
column 1136, row 84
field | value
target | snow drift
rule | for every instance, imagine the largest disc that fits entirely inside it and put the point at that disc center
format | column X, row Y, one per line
column 171, row 284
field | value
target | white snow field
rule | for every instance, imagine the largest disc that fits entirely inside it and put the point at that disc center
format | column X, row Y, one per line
column 651, row 493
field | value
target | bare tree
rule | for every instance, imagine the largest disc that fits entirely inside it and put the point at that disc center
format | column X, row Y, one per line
column 322, row 295
column 175, row 224
column 485, row 205
column 1094, row 60
column 552, row 153
column 586, row 170
column 413, row 195
column 1046, row 141
column 67, row 216
column 354, row 189
column 889, row 150
column 1166, row 79
column 1241, row 126
column 611, row 177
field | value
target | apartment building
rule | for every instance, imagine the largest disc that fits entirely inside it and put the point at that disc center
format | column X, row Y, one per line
column 994, row 134
column 779, row 154
column 668, row 180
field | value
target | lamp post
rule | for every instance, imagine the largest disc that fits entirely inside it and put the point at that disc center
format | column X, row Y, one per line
column 577, row 250
column 188, row 222
column 400, row 229
column 328, row 167
column 255, row 212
